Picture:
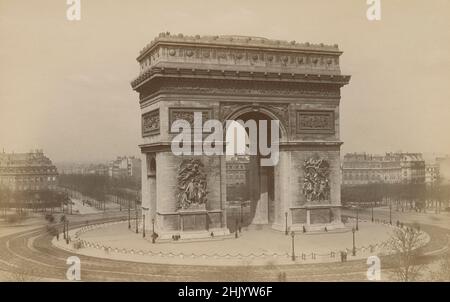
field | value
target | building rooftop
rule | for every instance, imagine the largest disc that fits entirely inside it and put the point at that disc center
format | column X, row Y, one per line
column 34, row 158
column 387, row 157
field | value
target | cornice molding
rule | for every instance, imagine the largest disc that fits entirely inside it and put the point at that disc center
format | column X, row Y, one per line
column 198, row 74
column 283, row 146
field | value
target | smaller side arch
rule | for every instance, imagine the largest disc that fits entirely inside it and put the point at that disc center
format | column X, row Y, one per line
column 151, row 165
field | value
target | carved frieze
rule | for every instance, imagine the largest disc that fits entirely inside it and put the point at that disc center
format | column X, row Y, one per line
column 185, row 113
column 316, row 182
column 315, row 121
column 150, row 123
column 249, row 57
column 260, row 92
column 191, row 185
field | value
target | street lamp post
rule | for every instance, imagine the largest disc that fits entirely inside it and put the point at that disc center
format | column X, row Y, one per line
column 137, row 231
column 242, row 209
column 357, row 219
column 129, row 215
column 286, row 227
column 153, row 230
column 354, row 247
column 372, row 212
column 293, row 250
column 143, row 225
column 136, row 209
column 390, row 213
column 67, row 231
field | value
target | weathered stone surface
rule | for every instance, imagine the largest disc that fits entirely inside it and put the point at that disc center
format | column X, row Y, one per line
column 225, row 77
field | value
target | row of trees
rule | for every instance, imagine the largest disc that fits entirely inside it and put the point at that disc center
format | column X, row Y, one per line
column 99, row 186
column 377, row 193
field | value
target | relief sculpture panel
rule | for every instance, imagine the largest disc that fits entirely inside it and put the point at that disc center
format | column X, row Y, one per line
column 150, row 123
column 319, row 121
column 316, row 182
column 188, row 115
column 191, row 185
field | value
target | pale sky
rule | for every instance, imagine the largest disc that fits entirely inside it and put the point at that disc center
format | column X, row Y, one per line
column 64, row 86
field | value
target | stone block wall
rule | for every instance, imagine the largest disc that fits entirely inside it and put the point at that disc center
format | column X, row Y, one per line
column 166, row 200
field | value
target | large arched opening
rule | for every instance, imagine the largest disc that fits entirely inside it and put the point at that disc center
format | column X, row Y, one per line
column 250, row 184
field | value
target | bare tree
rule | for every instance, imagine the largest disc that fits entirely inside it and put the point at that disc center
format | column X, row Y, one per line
column 443, row 273
column 405, row 245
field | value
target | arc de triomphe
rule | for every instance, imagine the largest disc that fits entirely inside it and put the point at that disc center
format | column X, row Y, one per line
column 229, row 78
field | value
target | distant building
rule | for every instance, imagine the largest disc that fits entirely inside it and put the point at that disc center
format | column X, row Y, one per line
column 97, row 169
column 31, row 171
column 431, row 173
column 444, row 168
column 125, row 166
column 413, row 167
column 362, row 168
column 83, row 168
column 237, row 167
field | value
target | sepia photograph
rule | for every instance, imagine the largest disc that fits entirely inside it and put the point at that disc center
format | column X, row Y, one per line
column 224, row 142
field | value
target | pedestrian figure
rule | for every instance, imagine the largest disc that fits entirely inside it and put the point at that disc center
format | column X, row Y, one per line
column 343, row 256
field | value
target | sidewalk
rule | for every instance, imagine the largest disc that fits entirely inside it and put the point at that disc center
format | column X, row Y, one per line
column 116, row 241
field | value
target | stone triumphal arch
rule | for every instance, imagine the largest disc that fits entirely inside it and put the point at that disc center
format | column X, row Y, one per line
column 230, row 78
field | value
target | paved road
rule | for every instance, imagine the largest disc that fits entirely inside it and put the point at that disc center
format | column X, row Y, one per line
column 439, row 220
column 434, row 222
column 30, row 252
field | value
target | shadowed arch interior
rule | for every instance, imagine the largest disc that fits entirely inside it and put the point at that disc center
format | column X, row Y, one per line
column 256, row 196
